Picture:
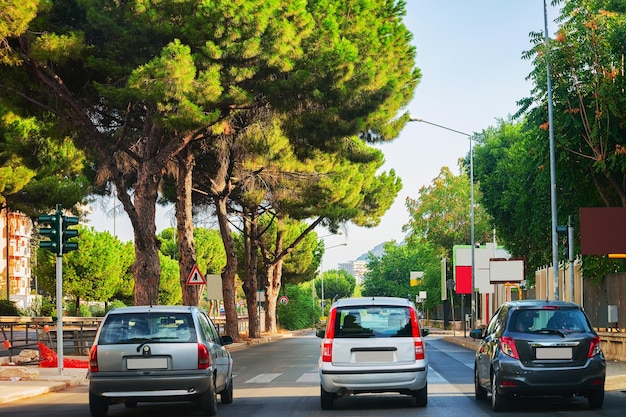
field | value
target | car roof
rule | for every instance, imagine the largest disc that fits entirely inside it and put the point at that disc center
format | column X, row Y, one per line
column 373, row 301
column 525, row 304
column 153, row 309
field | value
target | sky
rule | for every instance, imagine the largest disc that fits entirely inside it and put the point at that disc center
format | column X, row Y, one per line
column 469, row 53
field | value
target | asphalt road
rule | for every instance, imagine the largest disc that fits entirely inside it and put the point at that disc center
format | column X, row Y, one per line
column 279, row 379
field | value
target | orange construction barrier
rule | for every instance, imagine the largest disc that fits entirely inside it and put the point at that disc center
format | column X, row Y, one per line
column 49, row 359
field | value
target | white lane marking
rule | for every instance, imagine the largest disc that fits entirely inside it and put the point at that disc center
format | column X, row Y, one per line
column 263, row 379
column 309, row 377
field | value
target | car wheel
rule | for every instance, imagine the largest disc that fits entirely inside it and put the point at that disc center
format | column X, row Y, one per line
column 327, row 399
column 208, row 400
column 479, row 391
column 595, row 399
column 227, row 395
column 421, row 396
column 498, row 401
column 98, row 406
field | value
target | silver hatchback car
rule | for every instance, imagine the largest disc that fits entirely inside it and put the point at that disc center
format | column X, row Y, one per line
column 373, row 345
column 159, row 353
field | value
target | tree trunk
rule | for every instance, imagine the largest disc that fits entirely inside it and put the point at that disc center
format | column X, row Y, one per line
column 230, row 270
column 272, row 291
column 220, row 190
column 147, row 267
column 250, row 284
column 184, row 228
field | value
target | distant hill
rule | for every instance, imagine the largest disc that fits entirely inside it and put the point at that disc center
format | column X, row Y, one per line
column 377, row 251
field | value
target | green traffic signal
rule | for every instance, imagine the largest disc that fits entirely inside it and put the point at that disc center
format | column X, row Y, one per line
column 52, row 232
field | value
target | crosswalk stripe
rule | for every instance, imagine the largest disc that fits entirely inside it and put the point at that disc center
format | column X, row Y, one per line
column 433, row 378
column 309, row 377
column 263, row 378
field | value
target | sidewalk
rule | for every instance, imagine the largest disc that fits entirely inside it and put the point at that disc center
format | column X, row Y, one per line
column 17, row 382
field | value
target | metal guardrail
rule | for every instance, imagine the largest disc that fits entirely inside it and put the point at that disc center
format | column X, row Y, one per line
column 21, row 333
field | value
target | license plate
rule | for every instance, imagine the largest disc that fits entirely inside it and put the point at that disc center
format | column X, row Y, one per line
column 146, row 363
column 373, row 356
column 554, row 353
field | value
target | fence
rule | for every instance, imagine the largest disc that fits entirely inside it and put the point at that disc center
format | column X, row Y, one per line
column 21, row 333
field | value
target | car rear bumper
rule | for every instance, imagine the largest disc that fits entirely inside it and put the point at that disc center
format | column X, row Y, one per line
column 337, row 379
column 515, row 378
column 150, row 388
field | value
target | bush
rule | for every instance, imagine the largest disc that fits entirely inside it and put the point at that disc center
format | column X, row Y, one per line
column 114, row 304
column 47, row 308
column 300, row 313
column 8, row 308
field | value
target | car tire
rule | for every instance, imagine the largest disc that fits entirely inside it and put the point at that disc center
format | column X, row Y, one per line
column 226, row 396
column 208, row 400
column 98, row 406
column 421, row 396
column 327, row 399
column 595, row 399
column 498, row 401
column 479, row 391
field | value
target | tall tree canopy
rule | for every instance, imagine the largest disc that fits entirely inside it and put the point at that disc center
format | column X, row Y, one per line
column 441, row 214
column 587, row 70
column 84, row 278
column 136, row 83
column 513, row 160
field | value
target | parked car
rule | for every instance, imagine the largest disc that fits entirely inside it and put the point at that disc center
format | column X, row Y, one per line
column 372, row 345
column 539, row 348
column 160, row 353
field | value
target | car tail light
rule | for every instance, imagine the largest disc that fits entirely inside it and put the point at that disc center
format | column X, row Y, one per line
column 417, row 337
column 93, row 359
column 327, row 344
column 507, row 346
column 595, row 348
column 204, row 359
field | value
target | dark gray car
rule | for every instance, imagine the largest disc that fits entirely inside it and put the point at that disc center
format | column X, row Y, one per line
column 159, row 353
column 539, row 348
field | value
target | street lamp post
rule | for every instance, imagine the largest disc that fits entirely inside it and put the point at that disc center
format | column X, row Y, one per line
column 473, row 242
column 322, row 275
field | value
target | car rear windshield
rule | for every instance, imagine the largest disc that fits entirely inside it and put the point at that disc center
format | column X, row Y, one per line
column 153, row 327
column 373, row 321
column 539, row 320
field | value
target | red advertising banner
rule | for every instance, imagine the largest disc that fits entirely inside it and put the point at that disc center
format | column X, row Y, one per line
column 463, row 279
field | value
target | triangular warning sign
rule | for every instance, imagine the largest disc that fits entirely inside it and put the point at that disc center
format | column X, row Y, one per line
column 196, row 277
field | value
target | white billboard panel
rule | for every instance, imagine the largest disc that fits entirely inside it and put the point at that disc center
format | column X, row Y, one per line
column 502, row 270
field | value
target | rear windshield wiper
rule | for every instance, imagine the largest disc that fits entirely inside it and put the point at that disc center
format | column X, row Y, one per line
column 549, row 331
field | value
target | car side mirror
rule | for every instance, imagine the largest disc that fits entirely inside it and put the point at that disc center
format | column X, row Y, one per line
column 425, row 332
column 226, row 340
column 476, row 334
column 321, row 333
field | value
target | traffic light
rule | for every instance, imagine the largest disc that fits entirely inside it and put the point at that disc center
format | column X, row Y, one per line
column 53, row 232
column 69, row 233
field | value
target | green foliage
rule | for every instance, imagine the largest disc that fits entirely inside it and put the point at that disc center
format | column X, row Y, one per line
column 38, row 170
column 83, row 310
column 210, row 253
column 441, row 214
column 82, row 277
column 589, row 124
column 47, row 308
column 114, row 304
column 389, row 274
column 9, row 308
column 301, row 312
column 170, row 292
column 337, row 283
